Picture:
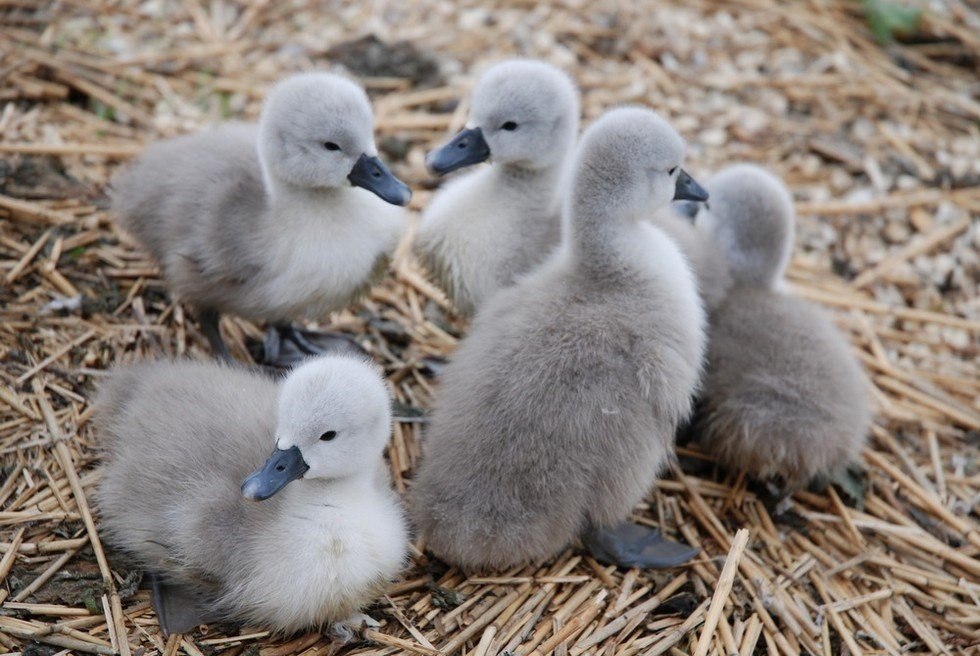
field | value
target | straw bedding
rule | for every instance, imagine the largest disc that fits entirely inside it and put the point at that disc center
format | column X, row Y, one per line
column 879, row 143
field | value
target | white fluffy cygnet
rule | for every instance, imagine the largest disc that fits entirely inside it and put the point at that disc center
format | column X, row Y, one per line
column 487, row 227
column 305, row 540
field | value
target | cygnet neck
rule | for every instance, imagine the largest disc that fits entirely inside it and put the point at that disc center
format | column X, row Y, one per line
column 541, row 184
column 598, row 223
column 328, row 491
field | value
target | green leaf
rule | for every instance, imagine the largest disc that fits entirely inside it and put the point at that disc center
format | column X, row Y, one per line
column 887, row 18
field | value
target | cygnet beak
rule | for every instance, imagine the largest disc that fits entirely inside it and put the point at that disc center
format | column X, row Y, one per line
column 687, row 208
column 370, row 173
column 466, row 148
column 282, row 467
column 687, row 188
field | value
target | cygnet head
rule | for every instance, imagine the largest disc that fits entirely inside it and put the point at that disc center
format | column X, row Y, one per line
column 751, row 218
column 317, row 131
column 334, row 420
column 629, row 164
column 522, row 112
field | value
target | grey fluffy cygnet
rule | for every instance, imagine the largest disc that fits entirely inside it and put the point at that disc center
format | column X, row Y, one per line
column 783, row 396
column 484, row 229
column 181, row 437
column 558, row 410
column 271, row 222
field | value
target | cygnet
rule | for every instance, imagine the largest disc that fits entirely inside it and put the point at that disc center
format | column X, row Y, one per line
column 306, row 540
column 484, row 229
column 272, row 222
column 783, row 398
column 558, row 411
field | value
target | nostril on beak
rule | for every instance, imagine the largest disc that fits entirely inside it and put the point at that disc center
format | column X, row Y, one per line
column 280, row 468
column 463, row 143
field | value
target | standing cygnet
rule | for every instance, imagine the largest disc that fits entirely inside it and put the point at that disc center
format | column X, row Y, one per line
column 180, row 439
column 559, row 409
column 486, row 228
column 265, row 222
column 783, row 396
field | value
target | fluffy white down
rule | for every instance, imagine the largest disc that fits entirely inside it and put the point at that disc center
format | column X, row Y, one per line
column 670, row 267
column 323, row 252
column 352, row 547
column 474, row 234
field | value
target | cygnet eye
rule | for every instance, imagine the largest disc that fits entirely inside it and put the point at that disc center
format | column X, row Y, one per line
column 510, row 126
column 329, row 145
column 329, row 435
column 672, row 171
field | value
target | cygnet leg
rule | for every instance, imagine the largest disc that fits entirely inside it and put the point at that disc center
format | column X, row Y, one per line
column 345, row 631
column 178, row 611
column 210, row 326
column 286, row 345
column 632, row 545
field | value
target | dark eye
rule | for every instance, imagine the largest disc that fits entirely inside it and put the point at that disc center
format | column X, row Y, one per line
column 329, row 435
column 672, row 171
column 329, row 145
column 510, row 126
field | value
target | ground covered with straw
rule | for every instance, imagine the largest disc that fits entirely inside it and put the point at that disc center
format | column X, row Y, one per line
column 879, row 142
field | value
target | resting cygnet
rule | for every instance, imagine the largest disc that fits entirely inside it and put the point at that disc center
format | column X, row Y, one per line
column 486, row 228
column 266, row 222
column 783, row 396
column 558, row 411
column 180, row 439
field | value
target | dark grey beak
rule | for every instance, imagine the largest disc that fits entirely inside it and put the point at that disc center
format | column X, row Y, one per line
column 688, row 189
column 466, row 148
column 282, row 467
column 687, row 208
column 371, row 174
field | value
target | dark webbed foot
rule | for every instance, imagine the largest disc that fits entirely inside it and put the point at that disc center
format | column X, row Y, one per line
column 632, row 545
column 287, row 345
column 178, row 610
column 210, row 325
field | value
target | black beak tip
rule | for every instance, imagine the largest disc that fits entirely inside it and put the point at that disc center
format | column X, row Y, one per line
column 252, row 489
column 402, row 197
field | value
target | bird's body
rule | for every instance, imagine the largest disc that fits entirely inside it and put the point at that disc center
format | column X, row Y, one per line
column 558, row 410
column 783, row 396
column 484, row 229
column 274, row 221
column 702, row 254
column 198, row 203
column 179, row 440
